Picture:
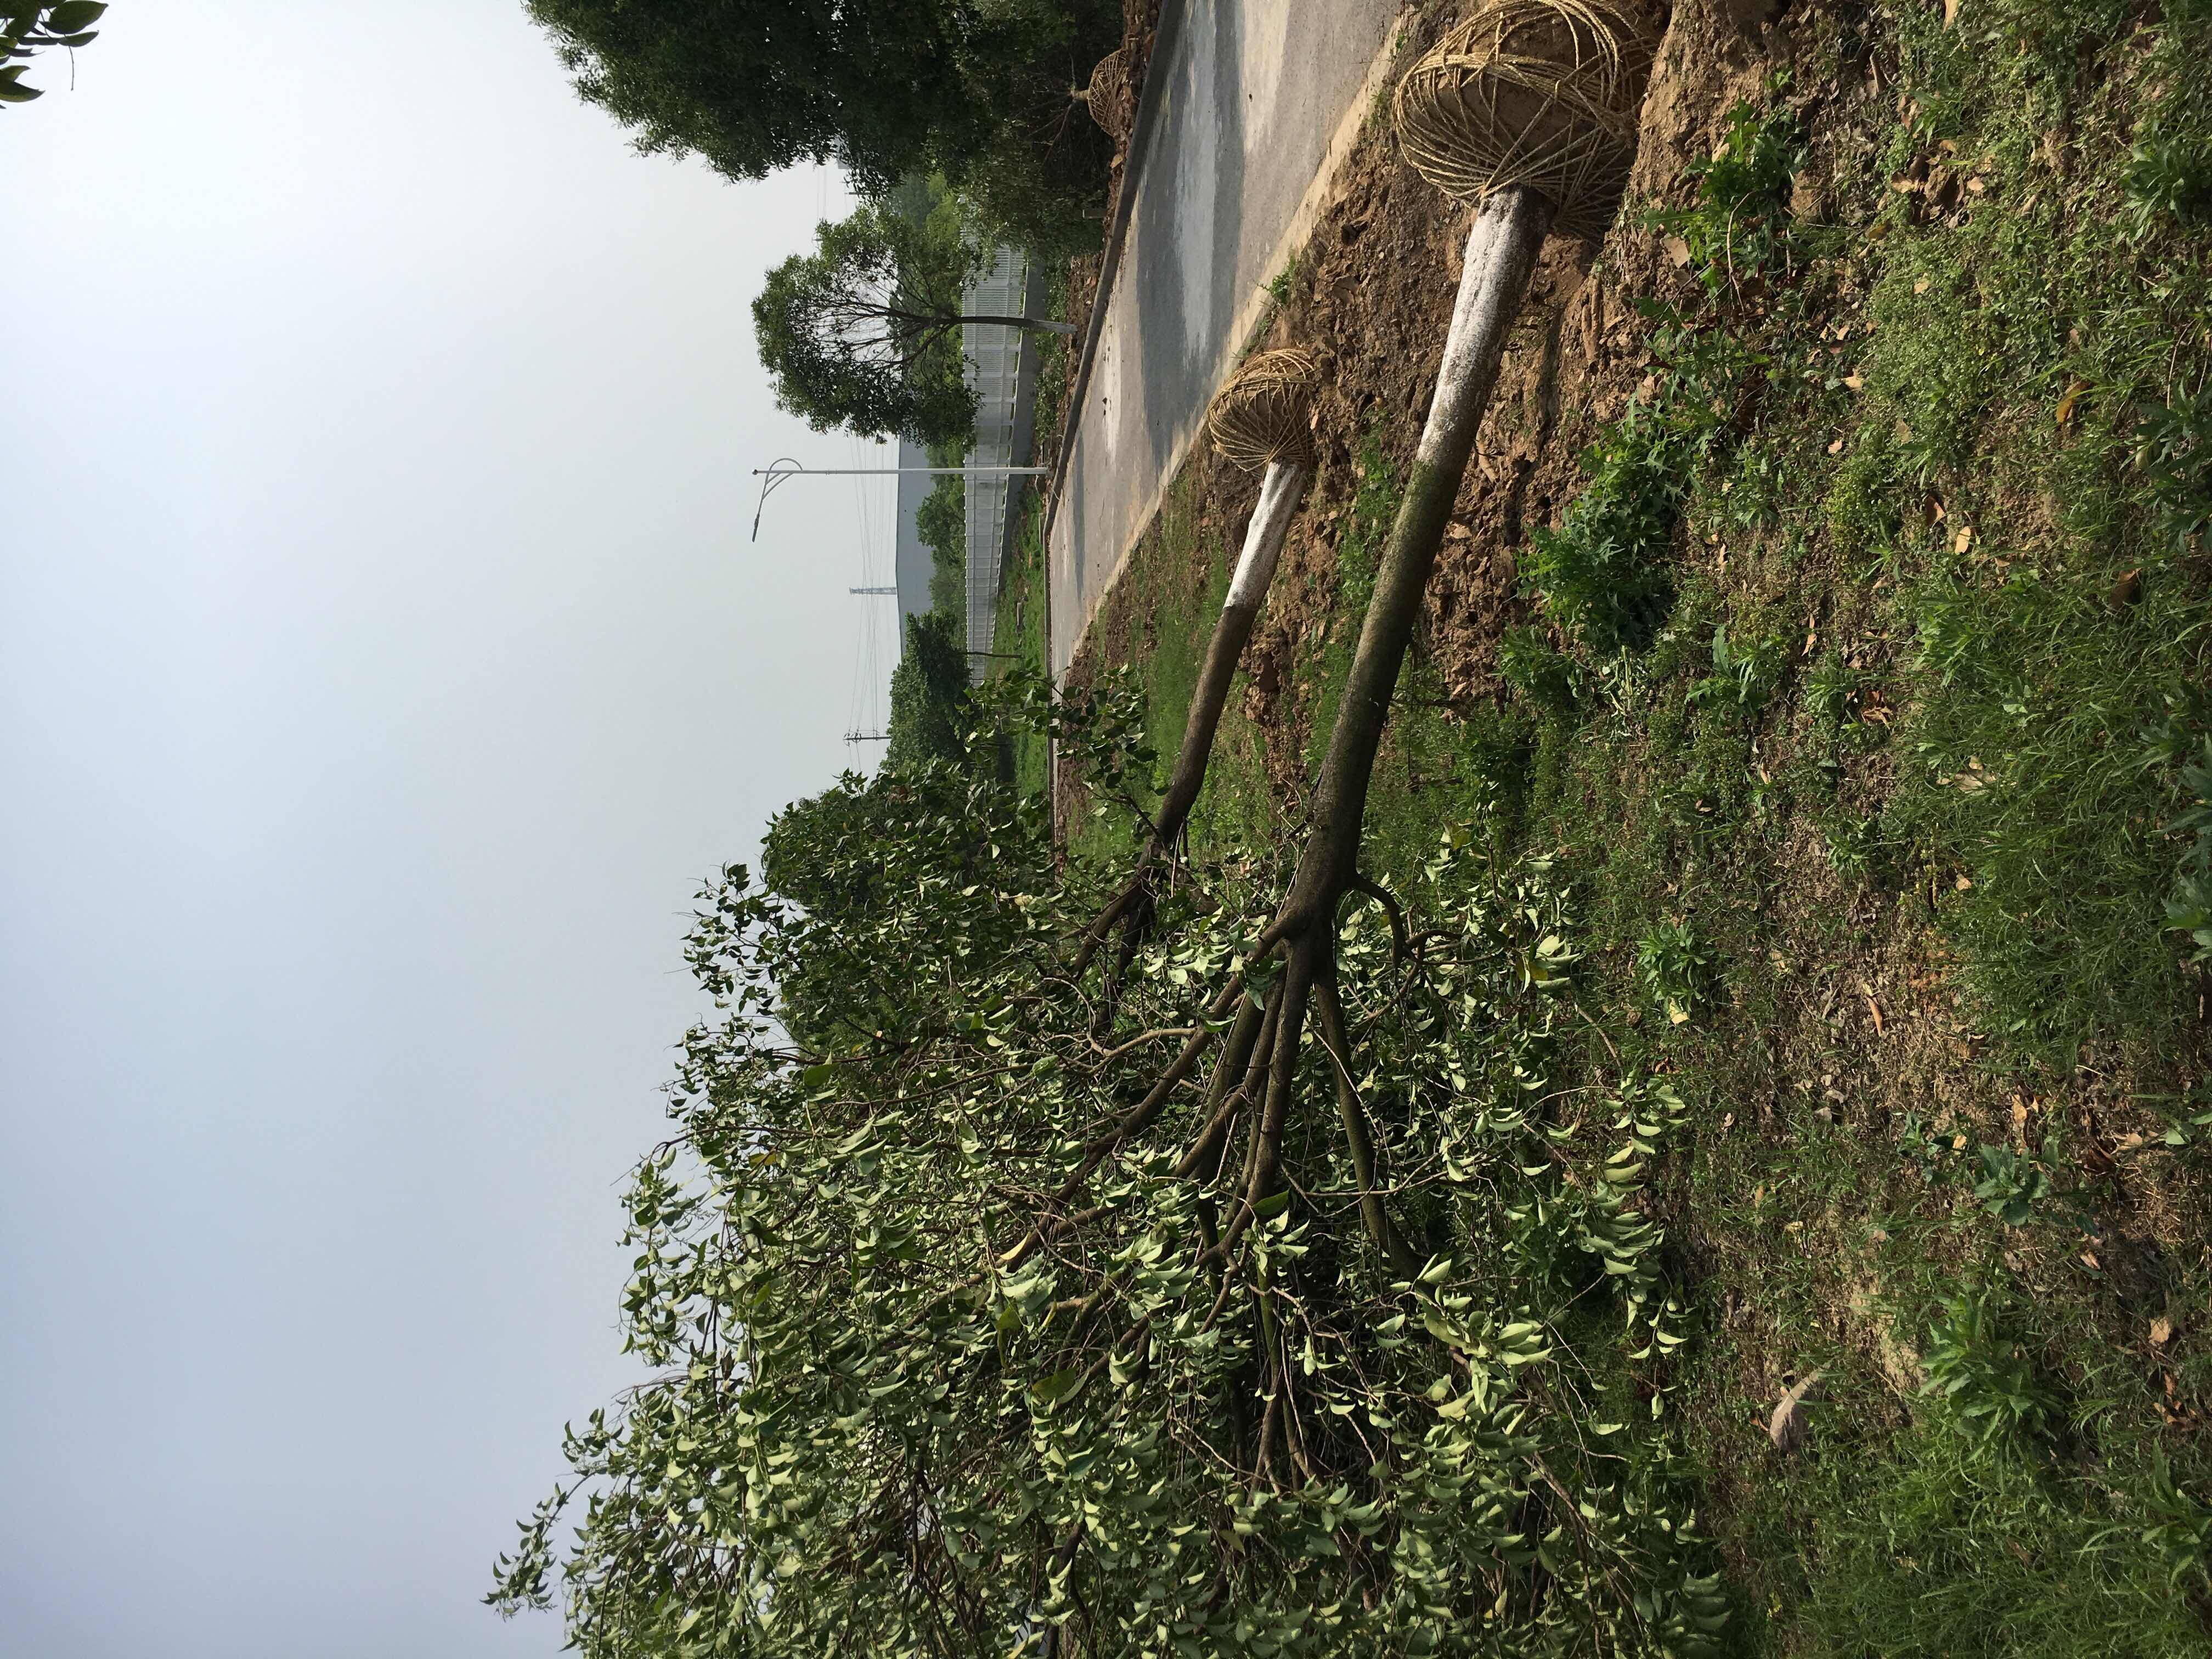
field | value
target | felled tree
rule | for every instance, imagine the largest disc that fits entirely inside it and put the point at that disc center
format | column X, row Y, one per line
column 26, row 30
column 878, row 1426
column 864, row 332
column 980, row 1330
column 1261, row 421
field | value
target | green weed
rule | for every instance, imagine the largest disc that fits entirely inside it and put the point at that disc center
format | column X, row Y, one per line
column 1674, row 967
column 1601, row 575
column 1529, row 662
column 1981, row 1374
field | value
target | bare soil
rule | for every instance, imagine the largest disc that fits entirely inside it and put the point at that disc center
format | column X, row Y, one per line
column 1373, row 296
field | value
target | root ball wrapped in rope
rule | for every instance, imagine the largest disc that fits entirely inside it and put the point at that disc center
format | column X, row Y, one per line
column 1109, row 96
column 1544, row 94
column 1265, row 413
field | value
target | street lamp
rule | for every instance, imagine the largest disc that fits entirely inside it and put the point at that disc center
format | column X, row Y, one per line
column 785, row 468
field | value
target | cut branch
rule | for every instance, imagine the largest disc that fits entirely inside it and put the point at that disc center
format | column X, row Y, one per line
column 1358, row 1137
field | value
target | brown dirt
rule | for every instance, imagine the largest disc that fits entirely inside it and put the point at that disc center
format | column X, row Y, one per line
column 1373, row 298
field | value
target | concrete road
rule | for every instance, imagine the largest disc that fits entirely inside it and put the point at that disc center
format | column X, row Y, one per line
column 1261, row 99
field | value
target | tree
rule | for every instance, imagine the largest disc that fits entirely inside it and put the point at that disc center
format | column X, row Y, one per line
column 983, row 1325
column 758, row 87
column 877, row 1427
column 941, row 521
column 865, row 331
column 880, row 85
column 929, row 716
column 25, row 30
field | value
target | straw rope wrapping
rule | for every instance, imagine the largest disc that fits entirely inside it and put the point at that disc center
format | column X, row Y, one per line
column 1108, row 96
column 1265, row 412
column 1540, row 93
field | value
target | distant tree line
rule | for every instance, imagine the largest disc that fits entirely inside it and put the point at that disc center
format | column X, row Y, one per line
column 930, row 713
column 954, row 123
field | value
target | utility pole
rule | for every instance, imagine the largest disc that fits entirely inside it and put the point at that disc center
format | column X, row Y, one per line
column 786, row 469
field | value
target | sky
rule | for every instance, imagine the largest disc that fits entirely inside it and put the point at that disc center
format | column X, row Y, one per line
column 383, row 662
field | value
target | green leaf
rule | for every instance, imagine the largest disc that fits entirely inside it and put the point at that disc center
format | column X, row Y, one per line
column 1051, row 1390
column 73, row 15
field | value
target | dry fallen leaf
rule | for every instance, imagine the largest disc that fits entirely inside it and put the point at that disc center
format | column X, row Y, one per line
column 1875, row 1009
column 1920, row 286
column 1964, row 539
column 2162, row 1331
column 2070, row 401
column 1853, row 381
column 1678, row 250
column 1950, row 12
column 1837, row 447
column 1963, row 883
column 1786, row 1428
column 2128, row 589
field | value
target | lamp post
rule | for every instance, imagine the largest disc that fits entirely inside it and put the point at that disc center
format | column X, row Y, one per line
column 785, row 468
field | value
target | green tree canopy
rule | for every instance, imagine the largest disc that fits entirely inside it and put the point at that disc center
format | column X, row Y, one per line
column 941, row 521
column 758, row 86
column 882, row 86
column 929, row 715
column 25, row 30
column 865, row 331
column 965, row 1344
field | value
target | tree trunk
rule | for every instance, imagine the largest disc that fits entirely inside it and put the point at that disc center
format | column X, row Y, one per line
column 1501, row 258
column 1281, row 490
column 1033, row 325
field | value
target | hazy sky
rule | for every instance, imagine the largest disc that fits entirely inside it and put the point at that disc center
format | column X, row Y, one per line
column 382, row 662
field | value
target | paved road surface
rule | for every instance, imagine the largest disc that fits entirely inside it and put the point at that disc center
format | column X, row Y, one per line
column 1259, row 97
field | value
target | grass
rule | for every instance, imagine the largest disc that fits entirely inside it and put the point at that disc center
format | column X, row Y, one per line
column 1862, row 700
column 1017, row 629
column 1186, row 550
